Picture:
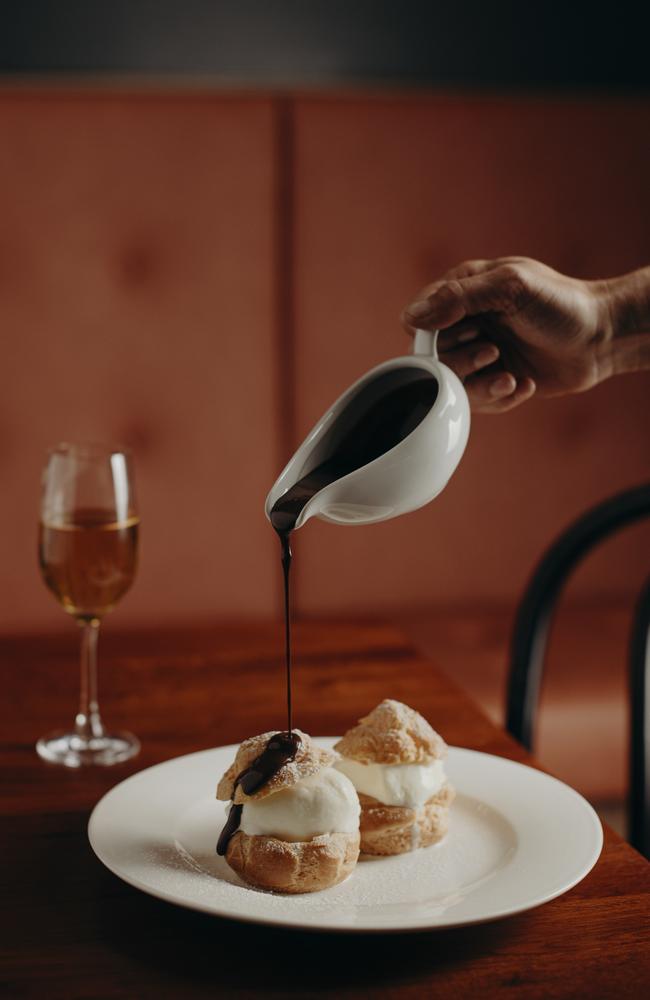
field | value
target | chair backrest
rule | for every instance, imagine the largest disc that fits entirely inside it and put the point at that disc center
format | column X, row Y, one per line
column 639, row 808
column 530, row 638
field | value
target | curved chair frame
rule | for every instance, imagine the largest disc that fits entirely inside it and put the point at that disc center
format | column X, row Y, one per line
column 639, row 794
column 530, row 639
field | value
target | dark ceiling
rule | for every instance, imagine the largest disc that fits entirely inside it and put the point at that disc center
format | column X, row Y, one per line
column 323, row 43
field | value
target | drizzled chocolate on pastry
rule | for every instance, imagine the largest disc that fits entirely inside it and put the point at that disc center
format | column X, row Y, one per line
column 281, row 749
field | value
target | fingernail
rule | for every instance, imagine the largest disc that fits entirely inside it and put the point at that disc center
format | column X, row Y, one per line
column 419, row 309
column 466, row 336
column 502, row 386
column 486, row 356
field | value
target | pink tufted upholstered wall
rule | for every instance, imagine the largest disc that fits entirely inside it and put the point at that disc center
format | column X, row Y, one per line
column 389, row 194
column 137, row 304
column 198, row 275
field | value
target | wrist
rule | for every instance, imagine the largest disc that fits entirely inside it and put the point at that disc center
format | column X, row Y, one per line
column 624, row 341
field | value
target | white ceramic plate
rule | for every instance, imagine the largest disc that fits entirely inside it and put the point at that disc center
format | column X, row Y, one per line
column 517, row 838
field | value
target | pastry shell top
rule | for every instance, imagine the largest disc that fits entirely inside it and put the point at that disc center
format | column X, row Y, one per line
column 392, row 733
column 309, row 760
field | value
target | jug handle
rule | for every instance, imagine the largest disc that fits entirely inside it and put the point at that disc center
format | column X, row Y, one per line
column 425, row 343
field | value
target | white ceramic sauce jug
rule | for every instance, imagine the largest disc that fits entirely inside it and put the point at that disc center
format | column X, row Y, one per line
column 403, row 478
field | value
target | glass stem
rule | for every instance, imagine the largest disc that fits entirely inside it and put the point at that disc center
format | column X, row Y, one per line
column 88, row 724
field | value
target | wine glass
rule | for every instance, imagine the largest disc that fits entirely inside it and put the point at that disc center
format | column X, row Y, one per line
column 87, row 549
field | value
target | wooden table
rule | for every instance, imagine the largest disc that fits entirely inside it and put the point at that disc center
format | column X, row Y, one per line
column 73, row 930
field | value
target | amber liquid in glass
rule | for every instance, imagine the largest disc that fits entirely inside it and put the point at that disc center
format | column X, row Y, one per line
column 88, row 560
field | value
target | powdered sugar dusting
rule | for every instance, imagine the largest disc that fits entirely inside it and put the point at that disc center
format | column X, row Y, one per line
column 517, row 838
column 430, row 879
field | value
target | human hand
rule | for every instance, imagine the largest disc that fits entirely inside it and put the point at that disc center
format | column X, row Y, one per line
column 513, row 327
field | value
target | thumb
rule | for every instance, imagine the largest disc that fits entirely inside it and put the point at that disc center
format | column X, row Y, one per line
column 493, row 291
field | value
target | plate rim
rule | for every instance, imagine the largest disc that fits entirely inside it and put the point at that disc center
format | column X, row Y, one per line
column 271, row 920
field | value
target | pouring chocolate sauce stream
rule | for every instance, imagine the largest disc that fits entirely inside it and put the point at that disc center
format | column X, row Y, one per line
column 382, row 414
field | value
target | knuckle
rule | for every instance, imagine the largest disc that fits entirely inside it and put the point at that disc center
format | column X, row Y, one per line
column 466, row 268
column 514, row 287
column 512, row 272
column 524, row 262
column 428, row 290
column 452, row 290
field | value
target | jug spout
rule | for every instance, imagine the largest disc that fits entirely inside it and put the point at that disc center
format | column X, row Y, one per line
column 332, row 502
column 314, row 508
column 351, row 499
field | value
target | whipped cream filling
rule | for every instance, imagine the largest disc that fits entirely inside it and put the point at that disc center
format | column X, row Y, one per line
column 409, row 785
column 321, row 804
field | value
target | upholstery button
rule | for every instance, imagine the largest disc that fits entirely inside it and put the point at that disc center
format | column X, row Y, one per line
column 137, row 265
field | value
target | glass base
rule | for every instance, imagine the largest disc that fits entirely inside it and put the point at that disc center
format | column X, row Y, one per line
column 73, row 750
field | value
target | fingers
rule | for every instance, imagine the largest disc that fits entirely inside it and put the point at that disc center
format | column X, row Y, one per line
column 471, row 357
column 498, row 392
column 463, row 305
column 500, row 289
column 470, row 267
column 464, row 270
column 489, row 387
column 524, row 390
column 459, row 333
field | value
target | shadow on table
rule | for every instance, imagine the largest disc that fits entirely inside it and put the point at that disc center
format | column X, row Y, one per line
column 192, row 947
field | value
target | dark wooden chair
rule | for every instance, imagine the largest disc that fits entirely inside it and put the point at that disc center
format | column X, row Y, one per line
column 530, row 638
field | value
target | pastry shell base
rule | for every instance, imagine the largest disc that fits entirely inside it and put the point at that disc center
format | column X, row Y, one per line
column 269, row 863
column 398, row 830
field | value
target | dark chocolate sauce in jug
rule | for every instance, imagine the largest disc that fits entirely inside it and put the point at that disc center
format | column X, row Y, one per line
column 378, row 418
